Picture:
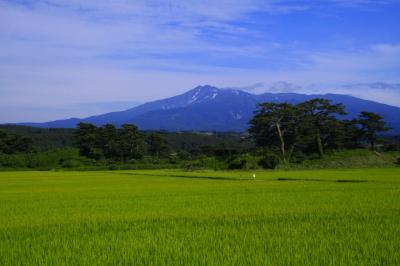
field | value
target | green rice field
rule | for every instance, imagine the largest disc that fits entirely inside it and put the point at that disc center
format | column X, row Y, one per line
column 172, row 217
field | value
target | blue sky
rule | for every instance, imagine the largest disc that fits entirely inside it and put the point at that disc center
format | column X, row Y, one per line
column 60, row 57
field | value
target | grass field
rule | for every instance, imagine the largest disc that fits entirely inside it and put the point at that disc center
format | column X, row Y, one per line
column 159, row 217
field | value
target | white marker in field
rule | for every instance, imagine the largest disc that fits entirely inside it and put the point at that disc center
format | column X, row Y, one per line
column 254, row 176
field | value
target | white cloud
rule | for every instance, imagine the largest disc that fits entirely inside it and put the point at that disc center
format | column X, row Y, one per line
column 378, row 62
column 59, row 52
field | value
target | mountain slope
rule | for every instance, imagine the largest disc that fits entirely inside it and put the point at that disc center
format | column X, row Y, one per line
column 209, row 108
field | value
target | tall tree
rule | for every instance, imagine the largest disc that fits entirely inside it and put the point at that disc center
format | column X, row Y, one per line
column 371, row 124
column 318, row 115
column 131, row 141
column 87, row 140
column 156, row 144
column 276, row 125
column 342, row 134
column 107, row 140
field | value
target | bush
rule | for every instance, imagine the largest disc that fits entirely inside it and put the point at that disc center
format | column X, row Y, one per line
column 398, row 161
column 238, row 163
column 269, row 162
column 71, row 163
column 113, row 167
column 391, row 147
column 191, row 166
column 299, row 157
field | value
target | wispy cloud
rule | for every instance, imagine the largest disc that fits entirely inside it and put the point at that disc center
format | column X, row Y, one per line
column 68, row 51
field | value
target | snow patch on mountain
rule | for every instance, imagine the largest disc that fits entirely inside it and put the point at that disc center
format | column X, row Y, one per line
column 194, row 97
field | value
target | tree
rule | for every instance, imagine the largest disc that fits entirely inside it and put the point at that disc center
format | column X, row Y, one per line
column 343, row 134
column 20, row 144
column 318, row 117
column 3, row 138
column 276, row 125
column 87, row 140
column 305, row 128
column 371, row 124
column 131, row 142
column 156, row 144
column 11, row 143
column 107, row 140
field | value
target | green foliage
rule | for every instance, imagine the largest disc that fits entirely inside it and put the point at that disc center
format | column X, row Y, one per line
column 269, row 162
column 131, row 145
column 276, row 126
column 237, row 163
column 166, row 217
column 86, row 136
column 109, row 142
column 43, row 138
column 204, row 162
column 62, row 158
column 156, row 144
column 69, row 158
column 243, row 161
column 11, row 143
column 311, row 127
column 319, row 122
column 298, row 134
column 360, row 158
column 184, row 155
column 391, row 145
column 221, row 143
column 371, row 124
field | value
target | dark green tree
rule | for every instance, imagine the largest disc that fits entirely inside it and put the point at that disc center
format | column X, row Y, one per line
column 343, row 134
column 11, row 143
column 3, row 139
column 20, row 144
column 276, row 125
column 87, row 141
column 156, row 144
column 318, row 119
column 108, row 141
column 132, row 145
column 371, row 124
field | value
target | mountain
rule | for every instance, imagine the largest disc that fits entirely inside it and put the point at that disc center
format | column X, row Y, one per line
column 208, row 108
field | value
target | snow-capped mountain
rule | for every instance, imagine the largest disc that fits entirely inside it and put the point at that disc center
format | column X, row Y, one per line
column 210, row 108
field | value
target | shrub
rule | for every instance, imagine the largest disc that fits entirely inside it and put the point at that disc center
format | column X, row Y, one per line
column 71, row 163
column 113, row 167
column 398, row 161
column 238, row 163
column 190, row 166
column 184, row 155
column 269, row 162
column 299, row 157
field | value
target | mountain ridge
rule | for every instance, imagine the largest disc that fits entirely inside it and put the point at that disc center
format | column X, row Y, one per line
column 208, row 108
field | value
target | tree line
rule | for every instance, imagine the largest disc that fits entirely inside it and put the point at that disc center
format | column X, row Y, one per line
column 12, row 143
column 128, row 142
column 121, row 144
column 311, row 127
column 278, row 132
column 288, row 130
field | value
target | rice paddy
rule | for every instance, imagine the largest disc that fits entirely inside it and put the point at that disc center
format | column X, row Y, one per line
column 171, row 217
